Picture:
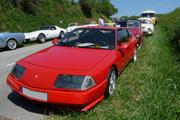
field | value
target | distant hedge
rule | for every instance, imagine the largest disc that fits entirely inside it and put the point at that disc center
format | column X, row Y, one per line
column 170, row 23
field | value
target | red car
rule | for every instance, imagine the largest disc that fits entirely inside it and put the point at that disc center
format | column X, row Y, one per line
column 134, row 26
column 79, row 70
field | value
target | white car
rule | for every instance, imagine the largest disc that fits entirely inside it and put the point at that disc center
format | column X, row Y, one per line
column 45, row 33
column 147, row 25
column 73, row 26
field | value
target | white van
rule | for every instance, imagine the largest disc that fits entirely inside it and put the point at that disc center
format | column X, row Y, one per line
column 151, row 14
column 147, row 25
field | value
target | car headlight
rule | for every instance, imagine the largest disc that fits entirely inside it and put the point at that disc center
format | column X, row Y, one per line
column 137, row 37
column 74, row 82
column 18, row 71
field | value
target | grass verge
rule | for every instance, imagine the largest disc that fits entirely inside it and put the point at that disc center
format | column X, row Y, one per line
column 147, row 89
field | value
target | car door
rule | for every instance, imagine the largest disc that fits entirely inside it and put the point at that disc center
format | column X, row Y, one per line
column 121, row 53
column 51, row 32
column 123, row 36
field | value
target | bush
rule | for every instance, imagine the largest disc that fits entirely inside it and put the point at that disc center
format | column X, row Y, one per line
column 171, row 26
column 29, row 15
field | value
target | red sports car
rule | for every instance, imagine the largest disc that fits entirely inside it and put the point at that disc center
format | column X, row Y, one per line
column 79, row 70
column 134, row 26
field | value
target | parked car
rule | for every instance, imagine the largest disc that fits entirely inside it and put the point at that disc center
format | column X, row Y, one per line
column 79, row 70
column 75, row 25
column 147, row 25
column 150, row 14
column 45, row 33
column 11, row 40
column 134, row 26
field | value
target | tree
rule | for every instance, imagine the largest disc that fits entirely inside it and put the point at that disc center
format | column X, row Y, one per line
column 86, row 8
column 27, row 6
column 106, row 8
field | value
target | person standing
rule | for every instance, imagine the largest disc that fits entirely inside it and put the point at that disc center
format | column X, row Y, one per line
column 101, row 21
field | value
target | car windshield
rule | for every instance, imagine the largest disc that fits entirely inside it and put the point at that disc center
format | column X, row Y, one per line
column 122, row 23
column 148, row 15
column 89, row 38
column 133, row 24
column 144, row 21
column 45, row 28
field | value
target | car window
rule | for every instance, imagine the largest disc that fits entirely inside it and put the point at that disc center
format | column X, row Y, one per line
column 148, row 15
column 53, row 28
column 90, row 38
column 123, row 35
column 45, row 28
column 122, row 23
column 133, row 24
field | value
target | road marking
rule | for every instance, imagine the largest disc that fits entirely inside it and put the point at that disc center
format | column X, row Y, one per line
column 10, row 64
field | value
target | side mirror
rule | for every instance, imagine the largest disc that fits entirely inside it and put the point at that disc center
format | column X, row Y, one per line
column 130, row 34
column 123, row 46
column 54, row 41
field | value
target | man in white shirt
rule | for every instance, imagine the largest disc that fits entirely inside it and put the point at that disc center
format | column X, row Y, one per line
column 101, row 21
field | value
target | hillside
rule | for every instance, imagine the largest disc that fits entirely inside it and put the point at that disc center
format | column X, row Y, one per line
column 21, row 15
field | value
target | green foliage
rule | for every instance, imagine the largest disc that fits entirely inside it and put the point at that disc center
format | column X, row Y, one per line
column 106, row 8
column 171, row 26
column 29, row 15
column 86, row 7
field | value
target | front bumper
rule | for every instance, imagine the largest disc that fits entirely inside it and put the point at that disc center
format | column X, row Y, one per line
column 85, row 99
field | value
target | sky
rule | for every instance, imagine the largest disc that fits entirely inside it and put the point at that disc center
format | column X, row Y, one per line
column 135, row 7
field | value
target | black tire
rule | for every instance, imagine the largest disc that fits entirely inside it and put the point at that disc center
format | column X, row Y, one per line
column 41, row 38
column 112, row 76
column 11, row 44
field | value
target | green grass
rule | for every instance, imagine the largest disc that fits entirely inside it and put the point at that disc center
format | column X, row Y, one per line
column 147, row 89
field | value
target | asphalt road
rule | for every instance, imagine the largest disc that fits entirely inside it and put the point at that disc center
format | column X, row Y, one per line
column 11, row 105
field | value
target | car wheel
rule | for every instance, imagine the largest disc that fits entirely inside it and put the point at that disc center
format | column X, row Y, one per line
column 134, row 59
column 141, row 44
column 111, row 82
column 61, row 34
column 11, row 44
column 41, row 38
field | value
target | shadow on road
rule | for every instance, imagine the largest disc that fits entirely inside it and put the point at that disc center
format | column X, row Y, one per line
column 5, row 49
column 43, row 109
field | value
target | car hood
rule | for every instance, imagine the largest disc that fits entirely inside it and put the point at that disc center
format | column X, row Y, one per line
column 69, row 58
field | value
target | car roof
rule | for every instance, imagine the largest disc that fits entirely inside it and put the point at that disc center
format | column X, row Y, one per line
column 148, row 11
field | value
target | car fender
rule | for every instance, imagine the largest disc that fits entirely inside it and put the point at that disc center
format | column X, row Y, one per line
column 100, row 71
column 18, row 37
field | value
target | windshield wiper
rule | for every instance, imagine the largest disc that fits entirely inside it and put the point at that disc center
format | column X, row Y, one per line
column 91, row 45
column 86, row 45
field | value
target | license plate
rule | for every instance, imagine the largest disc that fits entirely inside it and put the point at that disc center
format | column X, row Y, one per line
column 34, row 94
